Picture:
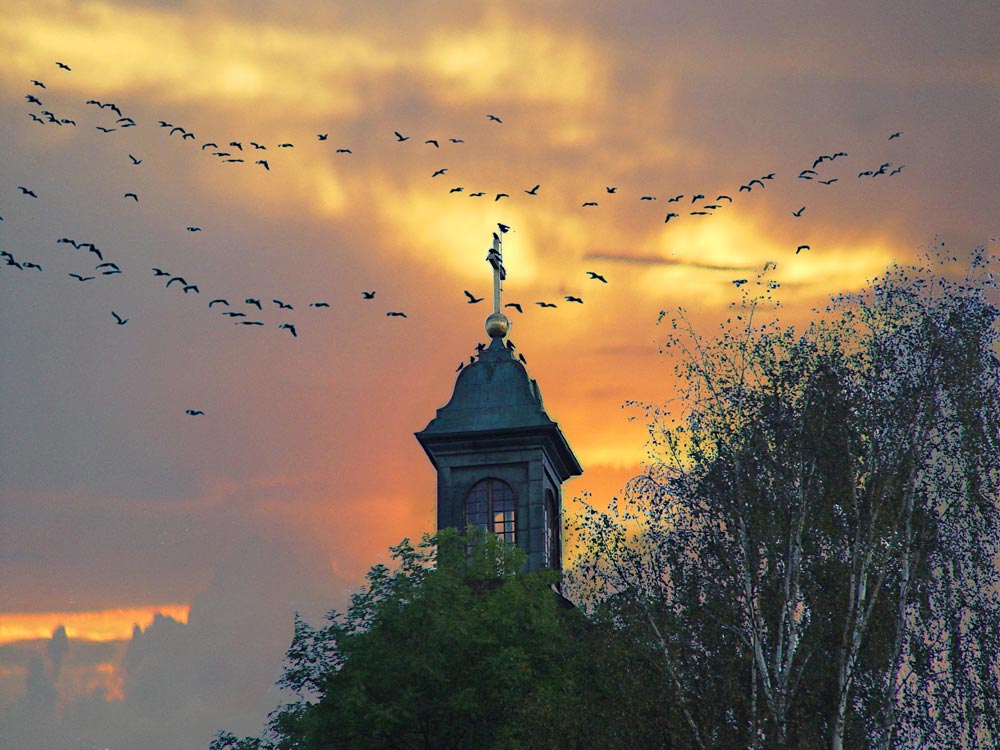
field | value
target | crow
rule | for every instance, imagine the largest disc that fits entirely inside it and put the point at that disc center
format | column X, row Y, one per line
column 472, row 298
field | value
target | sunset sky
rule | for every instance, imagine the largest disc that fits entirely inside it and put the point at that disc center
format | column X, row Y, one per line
column 115, row 505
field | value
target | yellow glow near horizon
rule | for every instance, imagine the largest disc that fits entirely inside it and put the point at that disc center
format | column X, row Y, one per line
column 96, row 625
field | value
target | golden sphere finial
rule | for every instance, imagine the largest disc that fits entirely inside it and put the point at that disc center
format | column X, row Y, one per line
column 497, row 325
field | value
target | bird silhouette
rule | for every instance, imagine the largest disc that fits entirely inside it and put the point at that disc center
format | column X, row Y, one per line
column 456, row 140
column 400, row 137
column 284, row 145
column 134, row 160
column 319, row 304
column 219, row 301
column 589, row 203
column 63, row 65
column 597, row 276
column 769, row 176
column 194, row 412
column 675, row 198
column 234, row 314
column 392, row 314
column 192, row 288
column 38, row 83
column 571, row 298
column 533, row 191
column 494, row 118
column 895, row 135
column 193, row 229
column 611, row 190
column 897, row 170
column 456, row 189
column 78, row 277
column 800, row 248
column 440, row 171
column 344, row 151
column 828, row 182
column 697, row 197
column 133, row 196
column 476, row 195
column 252, row 301
column 211, row 144
column 545, row 304
column 322, row 136
column 258, row 146
column 118, row 318
column 433, row 143
column 670, row 216
column 724, row 198
column 159, row 272
column 248, row 323
column 739, row 282
column 648, row 198
column 32, row 99
column 368, row 295
column 499, row 196
column 27, row 191
column 263, row 163
column 799, row 212
column 181, row 279
column 282, row 305
column 516, row 306
column 472, row 298
column 290, row 328
column 504, row 228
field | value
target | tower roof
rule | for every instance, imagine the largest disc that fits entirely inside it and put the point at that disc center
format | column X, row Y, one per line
column 496, row 401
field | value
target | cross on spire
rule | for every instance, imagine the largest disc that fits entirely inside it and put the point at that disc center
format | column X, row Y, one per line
column 495, row 259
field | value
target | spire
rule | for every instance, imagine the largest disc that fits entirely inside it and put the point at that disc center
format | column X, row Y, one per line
column 497, row 324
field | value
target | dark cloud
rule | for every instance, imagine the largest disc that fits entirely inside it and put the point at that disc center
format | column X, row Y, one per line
column 658, row 260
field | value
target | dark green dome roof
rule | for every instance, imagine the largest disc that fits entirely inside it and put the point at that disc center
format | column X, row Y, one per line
column 493, row 393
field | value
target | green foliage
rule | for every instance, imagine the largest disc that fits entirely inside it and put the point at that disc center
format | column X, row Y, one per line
column 812, row 557
column 448, row 648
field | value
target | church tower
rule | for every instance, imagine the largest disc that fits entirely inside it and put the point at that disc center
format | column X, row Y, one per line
column 500, row 460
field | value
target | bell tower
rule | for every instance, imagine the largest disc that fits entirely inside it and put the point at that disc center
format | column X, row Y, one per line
column 500, row 460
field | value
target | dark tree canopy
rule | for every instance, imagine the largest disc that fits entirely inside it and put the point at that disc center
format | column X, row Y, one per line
column 812, row 555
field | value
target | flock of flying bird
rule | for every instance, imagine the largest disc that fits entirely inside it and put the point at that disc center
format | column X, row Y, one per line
column 233, row 152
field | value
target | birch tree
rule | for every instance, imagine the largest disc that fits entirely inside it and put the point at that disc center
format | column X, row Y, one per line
column 811, row 557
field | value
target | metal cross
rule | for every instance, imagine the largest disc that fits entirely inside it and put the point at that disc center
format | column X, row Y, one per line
column 495, row 259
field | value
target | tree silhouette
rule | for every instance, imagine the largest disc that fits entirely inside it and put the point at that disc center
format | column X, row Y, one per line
column 811, row 558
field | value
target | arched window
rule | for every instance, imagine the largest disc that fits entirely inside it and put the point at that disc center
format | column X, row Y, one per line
column 490, row 505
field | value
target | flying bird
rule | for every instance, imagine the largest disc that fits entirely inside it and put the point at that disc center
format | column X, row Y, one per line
column 290, row 328
column 545, row 304
column 589, row 203
column 440, row 171
column 670, row 216
column 258, row 146
column 319, row 304
column 504, row 228
column 322, row 136
column 571, row 298
column 400, row 137
column 118, row 318
column 611, row 190
column 500, row 195
column 282, row 305
column 235, row 314
column 895, row 135
column 828, row 182
column 800, row 248
column 211, row 144
column 494, row 118
column 285, row 145
column 236, row 144
column 456, row 189
column 799, row 212
column 160, row 272
column 252, row 301
column 432, row 142
column 26, row 191
column 38, row 83
column 218, row 301
column 724, row 198
column 392, row 314
column 697, row 197
column 597, row 277
column 897, row 170
column 533, row 191
column 194, row 412
column 32, row 99
column 192, row 288
column 78, row 277
column 248, row 323
column 368, row 295
column 675, row 198
column 63, row 65
column 516, row 306
column 193, row 229
column 476, row 195
column 134, row 160
column 263, row 163
column 648, row 198
column 473, row 299
column 456, row 140
column 344, row 151
column 106, row 130
column 133, row 196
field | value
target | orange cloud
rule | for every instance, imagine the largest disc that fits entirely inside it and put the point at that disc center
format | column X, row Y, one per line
column 98, row 625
